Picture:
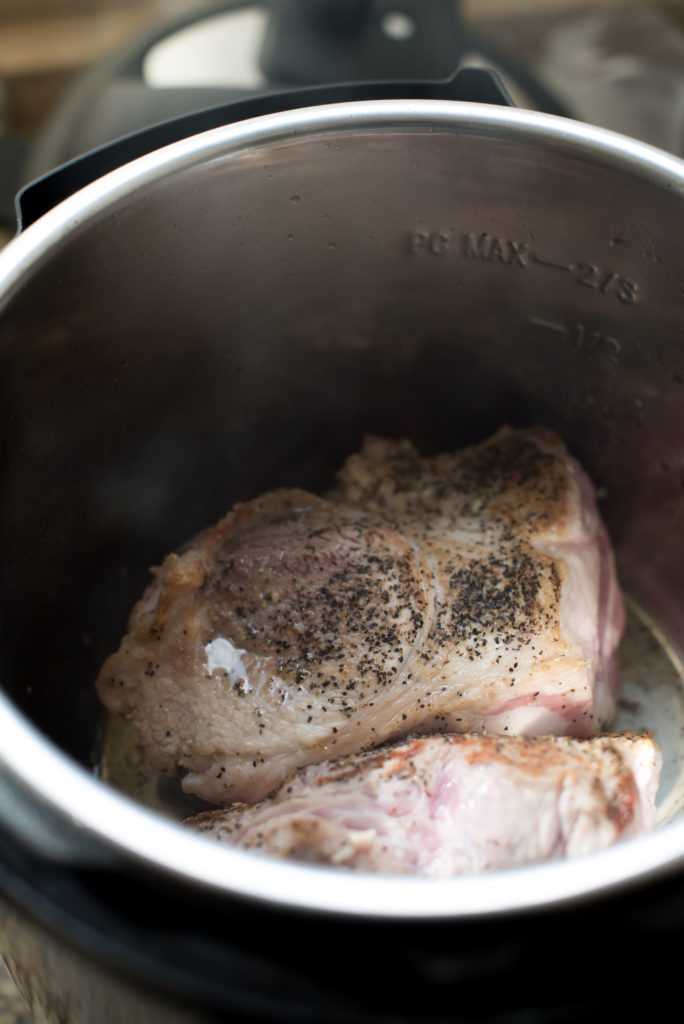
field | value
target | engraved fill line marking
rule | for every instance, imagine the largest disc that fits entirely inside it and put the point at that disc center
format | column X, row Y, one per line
column 583, row 338
column 548, row 324
column 544, row 262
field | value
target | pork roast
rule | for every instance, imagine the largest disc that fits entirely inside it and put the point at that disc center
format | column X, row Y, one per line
column 462, row 592
column 447, row 805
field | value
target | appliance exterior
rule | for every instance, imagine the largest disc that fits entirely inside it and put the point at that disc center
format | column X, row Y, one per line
column 232, row 314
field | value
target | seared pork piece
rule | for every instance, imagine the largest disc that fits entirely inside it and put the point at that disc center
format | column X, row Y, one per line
column 454, row 804
column 527, row 611
column 460, row 593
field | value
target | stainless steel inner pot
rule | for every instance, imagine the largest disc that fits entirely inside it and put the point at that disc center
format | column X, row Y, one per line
column 233, row 313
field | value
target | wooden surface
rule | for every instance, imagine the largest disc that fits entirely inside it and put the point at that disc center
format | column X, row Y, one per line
column 13, row 1009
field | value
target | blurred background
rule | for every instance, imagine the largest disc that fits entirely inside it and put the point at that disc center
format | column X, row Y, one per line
column 45, row 44
column 76, row 73
column 617, row 63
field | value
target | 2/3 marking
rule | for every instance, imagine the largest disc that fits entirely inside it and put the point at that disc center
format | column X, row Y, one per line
column 607, row 281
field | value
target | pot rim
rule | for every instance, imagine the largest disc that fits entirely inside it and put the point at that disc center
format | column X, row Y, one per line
column 99, row 822
column 107, row 828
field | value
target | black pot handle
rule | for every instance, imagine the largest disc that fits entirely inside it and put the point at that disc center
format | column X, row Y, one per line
column 475, row 85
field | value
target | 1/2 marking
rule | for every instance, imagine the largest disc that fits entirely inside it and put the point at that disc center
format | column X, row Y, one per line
column 582, row 337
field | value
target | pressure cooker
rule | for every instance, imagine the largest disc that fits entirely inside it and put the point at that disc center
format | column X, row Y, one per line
column 230, row 309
